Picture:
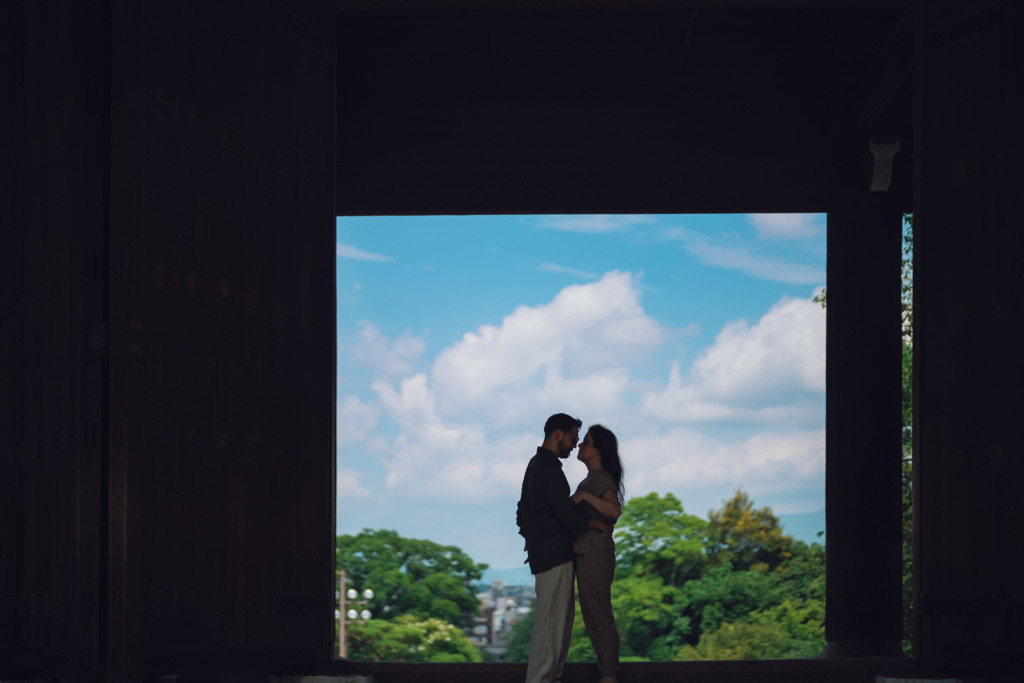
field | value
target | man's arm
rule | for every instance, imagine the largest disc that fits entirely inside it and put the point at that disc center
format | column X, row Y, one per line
column 555, row 490
column 607, row 504
column 520, row 517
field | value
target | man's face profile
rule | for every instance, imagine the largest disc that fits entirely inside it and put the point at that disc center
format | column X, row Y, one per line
column 568, row 442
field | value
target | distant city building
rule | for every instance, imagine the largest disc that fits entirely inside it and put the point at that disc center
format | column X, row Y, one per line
column 501, row 607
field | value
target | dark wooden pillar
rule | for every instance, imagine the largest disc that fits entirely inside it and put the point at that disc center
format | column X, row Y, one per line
column 167, row 455
column 52, row 368
column 968, row 366
column 862, row 483
column 222, row 326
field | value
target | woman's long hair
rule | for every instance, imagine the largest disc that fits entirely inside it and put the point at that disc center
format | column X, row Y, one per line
column 606, row 443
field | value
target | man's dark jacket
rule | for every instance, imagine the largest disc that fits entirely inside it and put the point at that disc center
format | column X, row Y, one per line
column 547, row 518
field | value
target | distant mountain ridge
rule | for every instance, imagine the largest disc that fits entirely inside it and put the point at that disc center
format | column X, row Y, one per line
column 517, row 576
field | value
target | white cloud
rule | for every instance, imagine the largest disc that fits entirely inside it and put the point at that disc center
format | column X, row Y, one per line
column 412, row 405
column 590, row 395
column 544, row 267
column 685, row 456
column 391, row 357
column 747, row 261
column 350, row 252
column 585, row 329
column 453, row 462
column 703, row 471
column 595, row 223
column 784, row 351
column 465, row 462
column 571, row 354
column 734, row 253
column 349, row 486
column 771, row 371
column 357, row 422
column 786, row 226
column 467, row 429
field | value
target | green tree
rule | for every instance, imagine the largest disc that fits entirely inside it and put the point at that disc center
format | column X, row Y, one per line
column 671, row 603
column 802, row 623
column 786, row 628
column 518, row 649
column 646, row 617
column 410, row 576
column 744, row 536
column 377, row 640
column 656, row 536
column 580, row 647
column 649, row 616
column 725, row 595
column 802, row 577
column 907, row 478
column 738, row 641
column 659, row 547
column 443, row 642
column 907, row 278
column 408, row 639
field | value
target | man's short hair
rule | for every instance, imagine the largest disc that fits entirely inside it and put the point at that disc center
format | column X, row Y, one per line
column 561, row 421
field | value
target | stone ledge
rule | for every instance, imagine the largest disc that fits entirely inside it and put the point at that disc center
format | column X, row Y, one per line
column 863, row 670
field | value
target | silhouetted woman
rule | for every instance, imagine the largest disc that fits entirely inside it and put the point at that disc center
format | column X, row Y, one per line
column 601, row 494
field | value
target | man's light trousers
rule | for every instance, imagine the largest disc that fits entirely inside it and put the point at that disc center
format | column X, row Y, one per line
column 552, row 624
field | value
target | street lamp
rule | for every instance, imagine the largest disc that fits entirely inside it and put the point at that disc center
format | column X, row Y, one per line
column 350, row 596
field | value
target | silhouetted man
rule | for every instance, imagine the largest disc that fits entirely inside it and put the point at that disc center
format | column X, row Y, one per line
column 549, row 521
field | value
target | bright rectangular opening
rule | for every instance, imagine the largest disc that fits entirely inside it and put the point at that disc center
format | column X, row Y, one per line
column 697, row 339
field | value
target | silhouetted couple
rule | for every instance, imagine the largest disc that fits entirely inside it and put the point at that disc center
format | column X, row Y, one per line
column 567, row 535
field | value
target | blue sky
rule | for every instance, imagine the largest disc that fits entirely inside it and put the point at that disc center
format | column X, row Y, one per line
column 692, row 337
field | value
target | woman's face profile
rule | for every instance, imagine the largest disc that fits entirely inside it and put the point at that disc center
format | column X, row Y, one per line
column 587, row 451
